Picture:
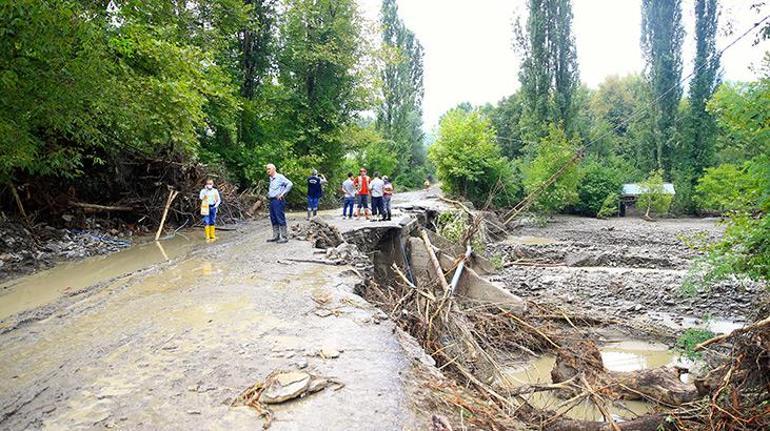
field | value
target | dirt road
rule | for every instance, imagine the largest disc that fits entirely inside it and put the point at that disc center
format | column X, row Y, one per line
column 171, row 344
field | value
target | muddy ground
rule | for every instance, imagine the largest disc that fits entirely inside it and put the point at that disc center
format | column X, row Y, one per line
column 624, row 267
column 166, row 336
column 170, row 345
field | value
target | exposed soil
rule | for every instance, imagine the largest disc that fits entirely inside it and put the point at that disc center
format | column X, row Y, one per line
column 623, row 267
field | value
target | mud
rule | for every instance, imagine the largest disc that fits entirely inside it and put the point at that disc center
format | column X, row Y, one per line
column 624, row 267
column 170, row 345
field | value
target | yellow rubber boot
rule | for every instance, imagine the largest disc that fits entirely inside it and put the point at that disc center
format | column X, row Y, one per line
column 213, row 236
column 208, row 232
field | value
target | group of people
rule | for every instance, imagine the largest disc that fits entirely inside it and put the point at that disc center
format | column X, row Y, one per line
column 357, row 192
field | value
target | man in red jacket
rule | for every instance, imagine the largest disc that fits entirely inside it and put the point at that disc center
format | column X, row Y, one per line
column 362, row 186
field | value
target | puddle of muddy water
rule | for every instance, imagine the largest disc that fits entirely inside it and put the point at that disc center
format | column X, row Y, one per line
column 47, row 286
column 626, row 355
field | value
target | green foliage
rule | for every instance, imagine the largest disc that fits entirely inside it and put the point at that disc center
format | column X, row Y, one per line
column 598, row 182
column 689, row 339
column 609, row 206
column 653, row 197
column 662, row 39
column 549, row 68
column 553, row 152
column 742, row 112
column 399, row 115
column 468, row 162
column 730, row 187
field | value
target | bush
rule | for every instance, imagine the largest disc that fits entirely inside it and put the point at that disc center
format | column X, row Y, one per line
column 550, row 155
column 469, row 163
column 689, row 339
column 609, row 206
column 598, row 183
column 729, row 187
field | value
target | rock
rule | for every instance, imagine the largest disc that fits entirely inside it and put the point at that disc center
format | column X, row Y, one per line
column 329, row 353
column 322, row 312
column 283, row 386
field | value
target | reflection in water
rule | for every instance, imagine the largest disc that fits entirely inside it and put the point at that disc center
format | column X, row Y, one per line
column 622, row 356
column 47, row 286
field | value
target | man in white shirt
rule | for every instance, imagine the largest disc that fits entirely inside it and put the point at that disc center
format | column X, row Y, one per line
column 349, row 190
column 377, row 190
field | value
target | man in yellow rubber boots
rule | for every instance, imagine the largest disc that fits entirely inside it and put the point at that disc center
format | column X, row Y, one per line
column 209, row 196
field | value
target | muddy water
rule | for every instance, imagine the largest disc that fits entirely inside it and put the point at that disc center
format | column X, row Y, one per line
column 47, row 286
column 627, row 355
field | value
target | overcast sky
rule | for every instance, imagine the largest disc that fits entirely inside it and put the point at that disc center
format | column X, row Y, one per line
column 469, row 54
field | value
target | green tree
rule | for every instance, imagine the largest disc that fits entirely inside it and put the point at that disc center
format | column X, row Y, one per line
column 549, row 69
column 653, row 198
column 399, row 114
column 730, row 187
column 505, row 118
column 661, row 41
column 550, row 155
column 468, row 162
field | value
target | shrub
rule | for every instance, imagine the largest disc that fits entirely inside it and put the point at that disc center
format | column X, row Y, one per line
column 550, row 155
column 598, row 182
column 729, row 187
column 609, row 206
column 468, row 162
column 689, row 339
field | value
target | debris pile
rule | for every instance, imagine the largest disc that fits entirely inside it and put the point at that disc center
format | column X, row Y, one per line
column 24, row 250
column 320, row 233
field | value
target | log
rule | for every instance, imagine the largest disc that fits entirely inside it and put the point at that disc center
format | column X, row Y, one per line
column 171, row 195
column 100, row 208
column 661, row 385
column 720, row 338
column 434, row 260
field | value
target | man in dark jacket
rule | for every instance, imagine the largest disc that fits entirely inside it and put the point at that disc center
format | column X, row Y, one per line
column 315, row 184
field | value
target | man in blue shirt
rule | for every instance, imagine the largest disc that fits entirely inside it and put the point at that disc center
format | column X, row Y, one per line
column 315, row 184
column 276, row 192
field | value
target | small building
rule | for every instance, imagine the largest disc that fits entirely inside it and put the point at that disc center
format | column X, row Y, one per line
column 631, row 192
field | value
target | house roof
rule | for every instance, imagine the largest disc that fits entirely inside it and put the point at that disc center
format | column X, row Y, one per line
column 636, row 189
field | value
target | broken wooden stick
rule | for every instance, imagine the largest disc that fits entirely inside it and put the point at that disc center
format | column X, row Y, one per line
column 18, row 203
column 171, row 195
column 434, row 260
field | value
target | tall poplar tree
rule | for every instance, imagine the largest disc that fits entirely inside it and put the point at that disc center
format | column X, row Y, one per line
column 549, row 68
column 661, row 41
column 399, row 115
column 699, row 148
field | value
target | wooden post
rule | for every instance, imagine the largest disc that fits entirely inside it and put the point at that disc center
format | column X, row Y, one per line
column 18, row 203
column 171, row 195
column 434, row 260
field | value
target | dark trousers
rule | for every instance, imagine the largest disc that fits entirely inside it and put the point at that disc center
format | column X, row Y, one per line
column 277, row 214
column 349, row 203
column 378, row 206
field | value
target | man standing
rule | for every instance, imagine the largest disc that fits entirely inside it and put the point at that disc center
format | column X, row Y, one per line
column 349, row 190
column 378, row 190
column 362, row 186
column 387, row 194
column 315, row 184
column 276, row 193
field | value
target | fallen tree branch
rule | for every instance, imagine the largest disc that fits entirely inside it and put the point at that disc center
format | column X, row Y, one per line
column 97, row 208
column 434, row 260
column 719, row 338
column 171, row 195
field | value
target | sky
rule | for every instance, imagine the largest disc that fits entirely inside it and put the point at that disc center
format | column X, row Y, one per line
column 469, row 52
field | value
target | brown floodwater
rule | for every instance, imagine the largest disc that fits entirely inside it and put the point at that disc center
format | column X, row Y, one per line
column 626, row 355
column 66, row 278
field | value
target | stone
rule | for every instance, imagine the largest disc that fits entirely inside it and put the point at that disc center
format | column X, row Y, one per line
column 286, row 386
